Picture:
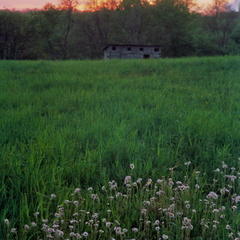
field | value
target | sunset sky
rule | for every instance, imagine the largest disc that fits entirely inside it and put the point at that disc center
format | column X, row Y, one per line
column 30, row 4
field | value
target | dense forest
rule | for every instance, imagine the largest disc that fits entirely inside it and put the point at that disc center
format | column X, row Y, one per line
column 63, row 32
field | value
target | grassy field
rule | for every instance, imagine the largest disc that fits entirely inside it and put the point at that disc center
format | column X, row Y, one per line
column 80, row 124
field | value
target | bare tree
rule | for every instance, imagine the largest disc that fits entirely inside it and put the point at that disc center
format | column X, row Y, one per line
column 218, row 21
column 68, row 7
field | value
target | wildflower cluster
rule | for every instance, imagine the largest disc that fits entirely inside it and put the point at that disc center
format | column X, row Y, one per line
column 165, row 208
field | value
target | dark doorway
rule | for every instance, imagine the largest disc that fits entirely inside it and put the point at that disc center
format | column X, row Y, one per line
column 146, row 56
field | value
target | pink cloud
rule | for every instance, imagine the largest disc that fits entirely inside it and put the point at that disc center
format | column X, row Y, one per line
column 23, row 4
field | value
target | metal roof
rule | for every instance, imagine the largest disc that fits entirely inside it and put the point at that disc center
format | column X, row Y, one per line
column 129, row 45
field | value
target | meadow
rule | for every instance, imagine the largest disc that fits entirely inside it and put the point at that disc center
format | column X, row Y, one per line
column 120, row 149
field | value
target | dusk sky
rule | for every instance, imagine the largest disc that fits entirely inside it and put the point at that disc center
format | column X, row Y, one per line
column 30, row 4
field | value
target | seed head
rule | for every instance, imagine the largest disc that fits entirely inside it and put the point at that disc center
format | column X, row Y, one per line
column 53, row 196
column 13, row 230
column 26, row 227
column 94, row 196
column 135, row 229
column 237, row 199
column 164, row 236
column 60, row 233
column 144, row 211
column 127, row 179
column 117, row 230
column 228, row 227
column 33, row 224
column 78, row 236
column 234, row 207
column 6, row 221
column 36, row 214
column 72, row 234
column 85, row 234
column 108, row 224
column 77, row 190
column 157, row 222
column 212, row 195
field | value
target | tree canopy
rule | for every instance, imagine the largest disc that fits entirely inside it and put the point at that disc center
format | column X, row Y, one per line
column 63, row 32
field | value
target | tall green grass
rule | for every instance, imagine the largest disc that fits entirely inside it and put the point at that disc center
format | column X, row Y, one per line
column 81, row 123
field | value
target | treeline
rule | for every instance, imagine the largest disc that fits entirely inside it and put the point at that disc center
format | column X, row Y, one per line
column 62, row 32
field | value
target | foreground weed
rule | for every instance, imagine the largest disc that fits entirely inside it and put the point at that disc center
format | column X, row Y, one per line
column 167, row 208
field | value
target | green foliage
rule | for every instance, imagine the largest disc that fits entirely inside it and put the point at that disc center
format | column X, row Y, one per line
column 79, row 124
column 175, row 23
column 151, row 209
column 61, row 32
column 17, row 35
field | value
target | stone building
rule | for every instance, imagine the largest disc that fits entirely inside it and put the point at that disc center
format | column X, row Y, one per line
column 115, row 51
